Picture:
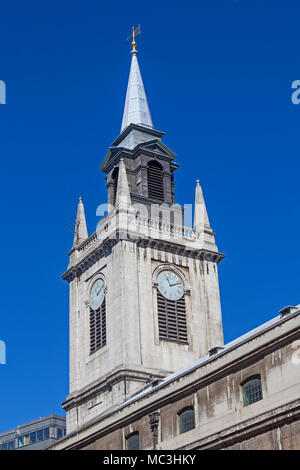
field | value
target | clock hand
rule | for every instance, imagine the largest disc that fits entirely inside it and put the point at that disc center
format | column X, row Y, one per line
column 100, row 290
column 172, row 285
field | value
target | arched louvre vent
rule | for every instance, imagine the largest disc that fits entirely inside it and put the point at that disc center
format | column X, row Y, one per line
column 114, row 177
column 155, row 181
column 172, row 319
column 98, row 328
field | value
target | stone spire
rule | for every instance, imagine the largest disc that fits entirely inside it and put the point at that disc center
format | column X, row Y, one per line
column 136, row 110
column 123, row 193
column 81, row 232
column 201, row 221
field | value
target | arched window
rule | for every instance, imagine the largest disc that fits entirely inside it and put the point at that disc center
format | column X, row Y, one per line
column 252, row 390
column 155, row 181
column 171, row 307
column 114, row 179
column 186, row 420
column 133, row 441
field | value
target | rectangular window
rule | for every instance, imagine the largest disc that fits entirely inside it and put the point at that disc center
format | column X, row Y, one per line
column 32, row 437
column 21, row 441
column 59, row 433
column 98, row 328
column 172, row 319
column 8, row 445
column 11, row 445
column 46, row 433
column 40, row 435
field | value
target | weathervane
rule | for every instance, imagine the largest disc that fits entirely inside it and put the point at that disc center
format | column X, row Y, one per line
column 135, row 32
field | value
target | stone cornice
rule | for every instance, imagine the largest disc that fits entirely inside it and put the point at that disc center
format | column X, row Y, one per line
column 91, row 258
column 107, row 382
column 114, row 154
column 132, row 126
column 169, row 246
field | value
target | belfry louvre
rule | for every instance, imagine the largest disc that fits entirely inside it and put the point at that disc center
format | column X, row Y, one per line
column 98, row 328
column 172, row 319
column 155, row 181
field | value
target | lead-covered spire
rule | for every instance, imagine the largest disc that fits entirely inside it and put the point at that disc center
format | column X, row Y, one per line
column 136, row 110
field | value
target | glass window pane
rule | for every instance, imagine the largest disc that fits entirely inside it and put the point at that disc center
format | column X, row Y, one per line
column 46, row 433
column 133, row 442
column 20, row 441
column 40, row 435
column 32, row 437
column 11, row 445
column 4, row 447
column 59, row 433
column 252, row 391
column 186, row 420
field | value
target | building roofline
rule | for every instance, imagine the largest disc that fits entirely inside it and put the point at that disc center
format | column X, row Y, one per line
column 263, row 328
column 19, row 426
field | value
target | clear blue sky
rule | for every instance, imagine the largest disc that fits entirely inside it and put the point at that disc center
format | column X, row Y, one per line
column 218, row 77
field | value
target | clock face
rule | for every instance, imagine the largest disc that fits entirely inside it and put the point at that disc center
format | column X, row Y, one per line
column 97, row 294
column 170, row 285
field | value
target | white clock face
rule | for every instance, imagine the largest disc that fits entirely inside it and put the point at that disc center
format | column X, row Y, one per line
column 170, row 285
column 97, row 294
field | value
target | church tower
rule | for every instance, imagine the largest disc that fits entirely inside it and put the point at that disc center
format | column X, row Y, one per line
column 144, row 291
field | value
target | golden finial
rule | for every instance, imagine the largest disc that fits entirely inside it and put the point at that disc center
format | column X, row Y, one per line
column 135, row 32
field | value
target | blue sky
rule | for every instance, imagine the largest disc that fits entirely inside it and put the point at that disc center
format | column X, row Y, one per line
column 218, row 77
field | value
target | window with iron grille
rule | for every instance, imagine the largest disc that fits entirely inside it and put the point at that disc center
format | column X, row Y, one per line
column 186, row 420
column 98, row 328
column 155, row 181
column 252, row 390
column 133, row 441
column 172, row 319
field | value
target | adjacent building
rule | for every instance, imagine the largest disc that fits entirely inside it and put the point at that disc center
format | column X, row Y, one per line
column 35, row 435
